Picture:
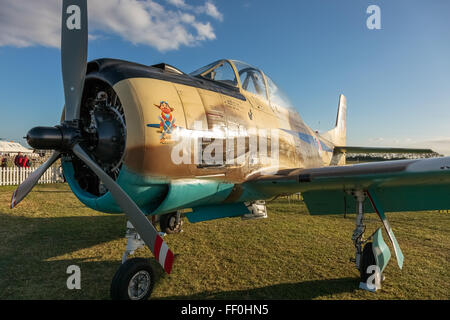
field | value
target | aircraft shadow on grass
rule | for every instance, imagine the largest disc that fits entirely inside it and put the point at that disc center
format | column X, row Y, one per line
column 29, row 246
column 29, row 259
column 306, row 290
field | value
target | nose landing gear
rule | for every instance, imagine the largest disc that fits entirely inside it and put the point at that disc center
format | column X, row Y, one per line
column 135, row 277
column 134, row 280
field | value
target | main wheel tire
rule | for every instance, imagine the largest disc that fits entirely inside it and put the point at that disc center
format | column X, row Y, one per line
column 367, row 259
column 168, row 223
column 133, row 280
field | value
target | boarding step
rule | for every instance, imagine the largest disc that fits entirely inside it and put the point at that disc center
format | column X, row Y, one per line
column 257, row 210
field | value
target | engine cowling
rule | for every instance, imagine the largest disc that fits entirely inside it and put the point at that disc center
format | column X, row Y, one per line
column 103, row 126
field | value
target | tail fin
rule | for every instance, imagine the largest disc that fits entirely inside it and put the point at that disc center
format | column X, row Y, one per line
column 338, row 135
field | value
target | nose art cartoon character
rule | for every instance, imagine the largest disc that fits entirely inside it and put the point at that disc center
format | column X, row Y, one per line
column 167, row 123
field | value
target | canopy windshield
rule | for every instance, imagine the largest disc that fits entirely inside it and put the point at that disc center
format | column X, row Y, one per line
column 220, row 71
column 252, row 80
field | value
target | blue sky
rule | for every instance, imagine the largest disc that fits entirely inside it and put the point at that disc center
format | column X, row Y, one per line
column 396, row 80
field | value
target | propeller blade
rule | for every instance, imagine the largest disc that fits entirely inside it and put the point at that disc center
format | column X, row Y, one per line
column 137, row 218
column 74, row 44
column 26, row 186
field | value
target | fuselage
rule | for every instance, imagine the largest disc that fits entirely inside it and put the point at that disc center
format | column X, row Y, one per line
column 190, row 130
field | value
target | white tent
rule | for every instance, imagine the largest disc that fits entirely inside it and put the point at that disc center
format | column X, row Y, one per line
column 13, row 147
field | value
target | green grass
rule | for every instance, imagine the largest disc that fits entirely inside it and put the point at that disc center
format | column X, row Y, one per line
column 290, row 255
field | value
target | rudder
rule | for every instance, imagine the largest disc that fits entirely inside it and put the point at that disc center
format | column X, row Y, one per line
column 338, row 135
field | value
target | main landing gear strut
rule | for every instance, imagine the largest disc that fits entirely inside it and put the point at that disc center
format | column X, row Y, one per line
column 171, row 223
column 364, row 257
column 372, row 254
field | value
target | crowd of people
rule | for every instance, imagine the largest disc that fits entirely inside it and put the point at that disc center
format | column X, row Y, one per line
column 21, row 161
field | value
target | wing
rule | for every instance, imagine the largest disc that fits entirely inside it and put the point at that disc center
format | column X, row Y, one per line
column 400, row 185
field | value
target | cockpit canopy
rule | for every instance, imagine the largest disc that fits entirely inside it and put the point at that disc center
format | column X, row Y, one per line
column 245, row 77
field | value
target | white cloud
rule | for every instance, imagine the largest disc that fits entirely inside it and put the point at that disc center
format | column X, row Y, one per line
column 187, row 18
column 178, row 3
column 208, row 8
column 25, row 23
column 205, row 31
column 211, row 10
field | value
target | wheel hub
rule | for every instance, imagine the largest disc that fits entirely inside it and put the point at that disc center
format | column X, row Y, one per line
column 139, row 285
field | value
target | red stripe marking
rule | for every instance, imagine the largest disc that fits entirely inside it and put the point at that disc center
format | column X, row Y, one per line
column 157, row 246
column 169, row 261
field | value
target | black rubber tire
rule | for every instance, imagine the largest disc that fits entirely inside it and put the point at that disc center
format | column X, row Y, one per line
column 166, row 223
column 367, row 259
column 123, row 276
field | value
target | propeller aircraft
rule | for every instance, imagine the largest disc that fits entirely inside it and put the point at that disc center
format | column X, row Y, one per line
column 153, row 141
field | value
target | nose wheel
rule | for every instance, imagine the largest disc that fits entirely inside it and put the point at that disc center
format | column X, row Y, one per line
column 134, row 280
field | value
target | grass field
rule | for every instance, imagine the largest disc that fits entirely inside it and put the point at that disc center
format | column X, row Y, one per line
column 290, row 255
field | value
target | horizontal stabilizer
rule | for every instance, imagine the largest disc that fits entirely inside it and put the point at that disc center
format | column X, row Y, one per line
column 348, row 149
